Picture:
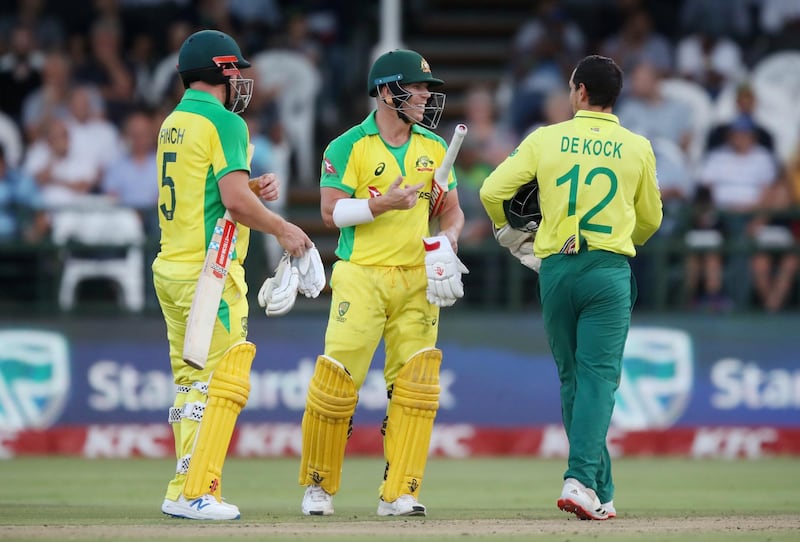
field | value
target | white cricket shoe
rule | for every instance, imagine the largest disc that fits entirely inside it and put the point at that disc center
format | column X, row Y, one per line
column 581, row 501
column 204, row 507
column 317, row 502
column 405, row 505
column 610, row 510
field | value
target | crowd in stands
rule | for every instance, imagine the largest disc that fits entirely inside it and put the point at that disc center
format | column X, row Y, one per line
column 713, row 84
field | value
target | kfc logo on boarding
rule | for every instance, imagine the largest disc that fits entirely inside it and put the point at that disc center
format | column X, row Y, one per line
column 34, row 379
column 329, row 169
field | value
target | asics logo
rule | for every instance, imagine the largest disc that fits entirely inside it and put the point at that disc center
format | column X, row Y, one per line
column 199, row 503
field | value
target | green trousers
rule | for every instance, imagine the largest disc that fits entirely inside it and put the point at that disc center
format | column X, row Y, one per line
column 586, row 306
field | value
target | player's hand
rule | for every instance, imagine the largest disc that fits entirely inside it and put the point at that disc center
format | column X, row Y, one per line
column 520, row 244
column 444, row 271
column 401, row 197
column 266, row 186
column 293, row 239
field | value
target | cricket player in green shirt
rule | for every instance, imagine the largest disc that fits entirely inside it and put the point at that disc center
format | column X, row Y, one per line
column 598, row 197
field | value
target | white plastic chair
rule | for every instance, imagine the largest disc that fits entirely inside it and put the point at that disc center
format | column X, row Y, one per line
column 97, row 230
column 299, row 82
column 701, row 106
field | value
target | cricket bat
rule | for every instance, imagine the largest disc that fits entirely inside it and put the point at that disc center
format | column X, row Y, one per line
column 441, row 174
column 208, row 292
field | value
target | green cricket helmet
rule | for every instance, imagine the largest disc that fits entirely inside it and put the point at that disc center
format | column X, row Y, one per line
column 214, row 57
column 401, row 67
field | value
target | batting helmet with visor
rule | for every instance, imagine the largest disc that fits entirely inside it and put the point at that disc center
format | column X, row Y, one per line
column 522, row 211
column 214, row 57
column 401, row 67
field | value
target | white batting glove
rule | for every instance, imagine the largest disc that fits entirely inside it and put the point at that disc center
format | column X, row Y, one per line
column 520, row 244
column 444, row 271
column 311, row 273
column 278, row 293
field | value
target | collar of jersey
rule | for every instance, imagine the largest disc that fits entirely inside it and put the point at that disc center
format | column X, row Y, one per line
column 370, row 127
column 200, row 96
column 597, row 115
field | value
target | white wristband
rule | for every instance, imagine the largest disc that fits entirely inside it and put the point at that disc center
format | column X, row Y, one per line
column 351, row 212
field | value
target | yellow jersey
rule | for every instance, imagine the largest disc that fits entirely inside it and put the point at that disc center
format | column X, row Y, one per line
column 360, row 163
column 198, row 143
column 597, row 185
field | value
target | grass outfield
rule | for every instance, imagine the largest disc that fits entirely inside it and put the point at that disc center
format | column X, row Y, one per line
column 477, row 499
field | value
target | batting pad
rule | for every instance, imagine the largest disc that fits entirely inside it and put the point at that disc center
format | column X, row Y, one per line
column 227, row 394
column 412, row 410
column 327, row 420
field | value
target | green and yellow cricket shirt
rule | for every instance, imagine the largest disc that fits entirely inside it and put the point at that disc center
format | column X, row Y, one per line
column 198, row 143
column 360, row 163
column 597, row 185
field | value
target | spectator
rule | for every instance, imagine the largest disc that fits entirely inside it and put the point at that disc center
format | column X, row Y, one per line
column 712, row 61
column 270, row 156
column 130, row 179
column 10, row 140
column 493, row 140
column 775, row 271
column 544, row 51
column 50, row 99
column 746, row 102
column 732, row 18
column 108, row 69
column 93, row 137
column 638, row 42
column 19, row 199
column 647, row 112
column 732, row 183
column 165, row 75
column 774, row 264
column 63, row 176
column 20, row 70
column 557, row 108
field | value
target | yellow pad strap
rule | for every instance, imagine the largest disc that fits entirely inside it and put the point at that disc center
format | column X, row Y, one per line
column 409, row 424
column 327, row 421
column 227, row 394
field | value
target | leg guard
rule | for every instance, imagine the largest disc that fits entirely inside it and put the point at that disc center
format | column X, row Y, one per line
column 327, row 424
column 185, row 416
column 227, row 394
column 409, row 424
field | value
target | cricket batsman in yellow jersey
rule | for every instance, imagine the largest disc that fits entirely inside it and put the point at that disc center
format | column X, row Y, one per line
column 376, row 183
column 598, row 198
column 203, row 171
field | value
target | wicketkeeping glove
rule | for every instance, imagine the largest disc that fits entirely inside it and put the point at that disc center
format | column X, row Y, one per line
column 278, row 293
column 520, row 244
column 444, row 271
column 311, row 273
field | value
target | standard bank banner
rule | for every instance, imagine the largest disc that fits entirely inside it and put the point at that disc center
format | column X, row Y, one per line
column 497, row 372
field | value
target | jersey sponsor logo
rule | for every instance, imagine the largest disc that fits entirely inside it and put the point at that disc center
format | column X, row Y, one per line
column 424, row 163
column 379, row 169
column 34, row 378
column 656, row 381
column 373, row 192
column 329, row 169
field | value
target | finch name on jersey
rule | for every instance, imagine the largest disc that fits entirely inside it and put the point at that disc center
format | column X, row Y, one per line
column 593, row 147
column 171, row 135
